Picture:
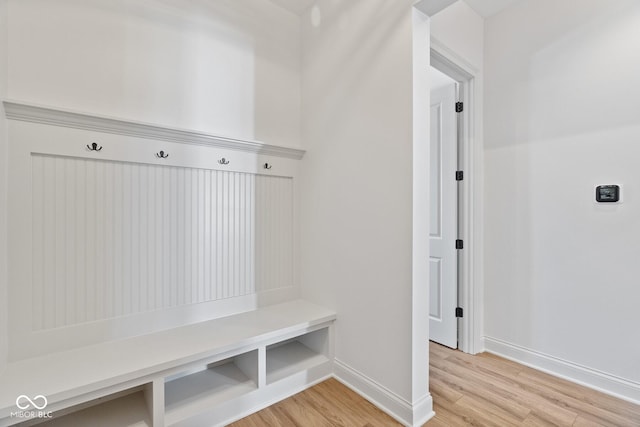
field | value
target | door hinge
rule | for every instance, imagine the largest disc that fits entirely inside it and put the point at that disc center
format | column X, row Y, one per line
column 459, row 175
column 459, row 244
column 459, row 107
column 459, row 312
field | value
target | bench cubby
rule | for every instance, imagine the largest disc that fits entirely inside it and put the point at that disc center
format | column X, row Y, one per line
column 124, row 409
column 297, row 355
column 192, row 391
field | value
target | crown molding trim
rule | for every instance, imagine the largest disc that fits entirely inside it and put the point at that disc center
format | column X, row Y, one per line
column 25, row 112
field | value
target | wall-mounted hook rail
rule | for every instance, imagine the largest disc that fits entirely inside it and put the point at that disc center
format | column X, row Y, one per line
column 223, row 161
column 162, row 155
column 94, row 147
column 267, row 166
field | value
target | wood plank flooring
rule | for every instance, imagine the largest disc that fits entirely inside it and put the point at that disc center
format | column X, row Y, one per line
column 326, row 404
column 487, row 390
column 481, row 390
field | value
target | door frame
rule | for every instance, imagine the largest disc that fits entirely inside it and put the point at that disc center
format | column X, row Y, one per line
column 470, row 160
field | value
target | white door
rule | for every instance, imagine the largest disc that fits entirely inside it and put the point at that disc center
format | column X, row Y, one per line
column 443, row 263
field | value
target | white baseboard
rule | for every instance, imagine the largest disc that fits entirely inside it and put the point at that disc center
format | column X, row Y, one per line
column 411, row 415
column 592, row 378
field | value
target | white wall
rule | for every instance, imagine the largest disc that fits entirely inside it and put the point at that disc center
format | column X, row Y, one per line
column 562, row 116
column 228, row 68
column 461, row 30
column 3, row 190
column 357, row 177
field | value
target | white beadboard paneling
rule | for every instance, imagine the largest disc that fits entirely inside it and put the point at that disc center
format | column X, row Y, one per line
column 110, row 280
column 114, row 239
column 38, row 305
column 274, row 234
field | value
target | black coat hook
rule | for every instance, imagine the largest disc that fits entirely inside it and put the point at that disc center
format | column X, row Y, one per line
column 267, row 166
column 94, row 147
column 162, row 155
column 223, row 161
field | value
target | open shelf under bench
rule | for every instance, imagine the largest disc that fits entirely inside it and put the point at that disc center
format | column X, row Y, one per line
column 216, row 371
column 194, row 392
column 297, row 355
column 129, row 410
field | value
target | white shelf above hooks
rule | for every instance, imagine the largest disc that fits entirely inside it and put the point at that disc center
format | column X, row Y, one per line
column 16, row 110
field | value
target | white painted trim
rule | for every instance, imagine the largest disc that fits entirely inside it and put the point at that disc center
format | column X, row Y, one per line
column 400, row 409
column 588, row 377
column 21, row 111
column 453, row 57
column 420, row 209
column 471, row 272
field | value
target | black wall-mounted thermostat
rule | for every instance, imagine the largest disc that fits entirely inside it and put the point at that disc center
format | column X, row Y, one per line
column 607, row 193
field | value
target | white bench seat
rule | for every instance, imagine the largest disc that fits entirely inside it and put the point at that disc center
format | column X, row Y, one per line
column 72, row 377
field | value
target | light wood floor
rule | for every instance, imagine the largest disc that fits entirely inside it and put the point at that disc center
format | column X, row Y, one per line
column 486, row 390
column 482, row 390
column 326, row 404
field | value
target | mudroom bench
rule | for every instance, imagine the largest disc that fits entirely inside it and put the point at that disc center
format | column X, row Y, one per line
column 204, row 374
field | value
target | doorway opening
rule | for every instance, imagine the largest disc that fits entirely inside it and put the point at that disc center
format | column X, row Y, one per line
column 452, row 312
column 443, row 235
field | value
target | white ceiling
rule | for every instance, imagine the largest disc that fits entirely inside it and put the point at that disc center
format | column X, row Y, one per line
column 295, row 6
column 487, row 8
column 484, row 8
